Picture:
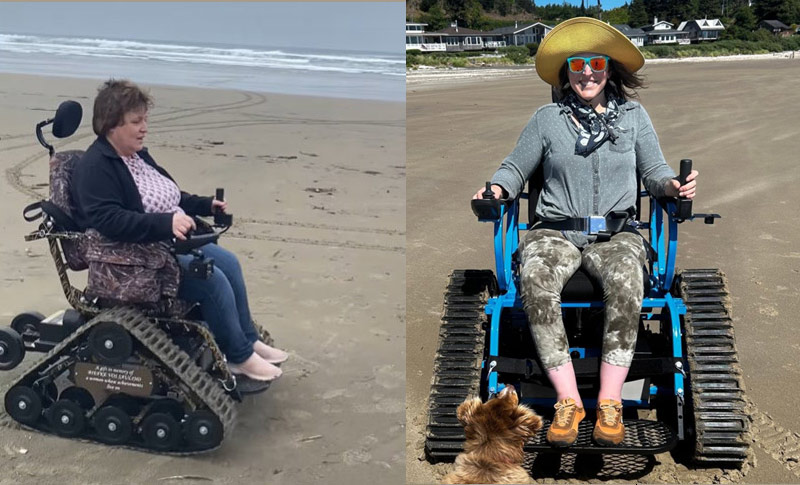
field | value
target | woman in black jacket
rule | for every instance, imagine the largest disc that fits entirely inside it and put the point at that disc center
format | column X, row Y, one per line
column 122, row 193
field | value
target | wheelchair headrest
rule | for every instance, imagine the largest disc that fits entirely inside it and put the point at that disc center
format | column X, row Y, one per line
column 68, row 117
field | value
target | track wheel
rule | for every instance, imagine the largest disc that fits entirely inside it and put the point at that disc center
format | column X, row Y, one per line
column 24, row 405
column 27, row 324
column 203, row 429
column 110, row 343
column 167, row 406
column 161, row 431
column 12, row 348
column 113, row 425
column 67, row 418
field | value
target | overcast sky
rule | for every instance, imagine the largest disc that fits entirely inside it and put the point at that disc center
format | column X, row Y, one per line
column 348, row 25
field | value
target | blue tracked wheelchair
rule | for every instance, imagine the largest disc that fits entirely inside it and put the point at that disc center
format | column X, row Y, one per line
column 685, row 365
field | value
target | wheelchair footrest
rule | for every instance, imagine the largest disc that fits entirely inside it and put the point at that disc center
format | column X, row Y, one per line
column 445, row 438
column 642, row 437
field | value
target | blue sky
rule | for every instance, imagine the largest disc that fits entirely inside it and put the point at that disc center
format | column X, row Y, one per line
column 338, row 26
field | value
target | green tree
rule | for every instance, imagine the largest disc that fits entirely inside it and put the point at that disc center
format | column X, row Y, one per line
column 773, row 10
column 619, row 15
column 425, row 5
column 687, row 10
column 473, row 14
column 745, row 18
column 436, row 18
column 525, row 5
column 638, row 14
column 504, row 7
column 711, row 9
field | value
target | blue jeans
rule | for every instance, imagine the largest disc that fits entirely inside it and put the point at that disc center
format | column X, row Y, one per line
column 223, row 302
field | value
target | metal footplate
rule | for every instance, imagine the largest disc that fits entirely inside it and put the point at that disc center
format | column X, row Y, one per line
column 717, row 391
column 204, row 392
column 642, row 437
column 456, row 373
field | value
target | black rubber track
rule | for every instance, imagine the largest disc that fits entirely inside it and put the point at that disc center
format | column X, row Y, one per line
column 203, row 389
column 716, row 397
column 457, row 368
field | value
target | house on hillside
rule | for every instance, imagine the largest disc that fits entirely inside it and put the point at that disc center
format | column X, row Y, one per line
column 522, row 34
column 664, row 32
column 462, row 39
column 637, row 36
column 701, row 30
column 776, row 27
column 418, row 39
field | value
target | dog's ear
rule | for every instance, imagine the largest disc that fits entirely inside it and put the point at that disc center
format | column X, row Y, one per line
column 466, row 410
column 526, row 422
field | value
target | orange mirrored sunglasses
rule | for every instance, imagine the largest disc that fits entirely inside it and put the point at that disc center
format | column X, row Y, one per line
column 597, row 63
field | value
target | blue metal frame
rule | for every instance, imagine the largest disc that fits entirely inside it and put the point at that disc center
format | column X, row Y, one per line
column 663, row 237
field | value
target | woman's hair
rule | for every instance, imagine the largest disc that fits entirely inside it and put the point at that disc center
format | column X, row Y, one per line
column 114, row 99
column 621, row 82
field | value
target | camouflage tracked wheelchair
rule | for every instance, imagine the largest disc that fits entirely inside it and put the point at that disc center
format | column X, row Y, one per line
column 144, row 376
column 685, row 364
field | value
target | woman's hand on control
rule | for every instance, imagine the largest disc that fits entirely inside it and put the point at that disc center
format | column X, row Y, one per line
column 181, row 224
column 675, row 189
column 218, row 205
column 496, row 189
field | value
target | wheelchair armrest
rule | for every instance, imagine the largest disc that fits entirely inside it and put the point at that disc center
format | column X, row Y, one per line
column 194, row 241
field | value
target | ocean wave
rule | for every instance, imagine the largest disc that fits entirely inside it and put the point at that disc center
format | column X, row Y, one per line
column 350, row 63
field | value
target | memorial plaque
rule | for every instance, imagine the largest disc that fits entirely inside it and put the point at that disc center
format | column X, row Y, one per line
column 102, row 380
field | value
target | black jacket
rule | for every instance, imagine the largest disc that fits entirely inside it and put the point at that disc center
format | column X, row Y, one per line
column 107, row 199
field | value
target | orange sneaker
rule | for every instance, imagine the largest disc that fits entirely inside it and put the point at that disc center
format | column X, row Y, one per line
column 609, row 429
column 564, row 428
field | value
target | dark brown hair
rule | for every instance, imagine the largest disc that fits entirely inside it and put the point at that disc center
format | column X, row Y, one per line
column 114, row 99
column 621, row 82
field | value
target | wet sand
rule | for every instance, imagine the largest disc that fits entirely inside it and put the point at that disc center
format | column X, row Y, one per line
column 738, row 122
column 317, row 189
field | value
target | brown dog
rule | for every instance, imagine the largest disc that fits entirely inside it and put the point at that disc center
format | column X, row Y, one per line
column 496, row 432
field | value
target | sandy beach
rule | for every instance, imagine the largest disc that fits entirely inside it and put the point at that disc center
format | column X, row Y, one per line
column 427, row 77
column 738, row 122
column 317, row 189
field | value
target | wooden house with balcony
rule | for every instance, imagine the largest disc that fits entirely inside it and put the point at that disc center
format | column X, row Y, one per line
column 663, row 32
column 702, row 30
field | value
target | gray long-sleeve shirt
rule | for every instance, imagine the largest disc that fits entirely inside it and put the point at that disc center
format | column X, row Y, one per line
column 577, row 186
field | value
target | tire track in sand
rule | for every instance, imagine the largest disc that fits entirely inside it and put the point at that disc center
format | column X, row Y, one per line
column 782, row 444
column 14, row 173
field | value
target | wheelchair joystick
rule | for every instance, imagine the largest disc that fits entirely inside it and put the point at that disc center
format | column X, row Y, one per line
column 488, row 194
column 487, row 208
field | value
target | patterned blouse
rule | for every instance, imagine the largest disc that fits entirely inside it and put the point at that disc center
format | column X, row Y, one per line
column 159, row 194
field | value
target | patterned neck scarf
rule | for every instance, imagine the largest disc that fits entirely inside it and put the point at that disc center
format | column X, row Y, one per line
column 596, row 128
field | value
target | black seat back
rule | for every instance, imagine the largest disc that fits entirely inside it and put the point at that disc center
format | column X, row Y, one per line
column 62, row 165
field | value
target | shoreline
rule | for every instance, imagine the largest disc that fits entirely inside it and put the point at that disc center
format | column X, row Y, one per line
column 6, row 76
column 369, row 87
column 427, row 75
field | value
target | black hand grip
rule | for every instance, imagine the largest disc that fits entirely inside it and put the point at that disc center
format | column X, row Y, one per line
column 193, row 242
column 221, row 219
column 488, row 194
column 684, row 204
column 686, row 169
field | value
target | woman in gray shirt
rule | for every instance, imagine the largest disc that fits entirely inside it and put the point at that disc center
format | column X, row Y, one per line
column 590, row 146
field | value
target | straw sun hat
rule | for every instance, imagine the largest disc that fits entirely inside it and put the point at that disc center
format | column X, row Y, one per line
column 584, row 34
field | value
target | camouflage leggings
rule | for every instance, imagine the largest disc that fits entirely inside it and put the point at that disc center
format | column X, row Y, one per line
column 548, row 262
